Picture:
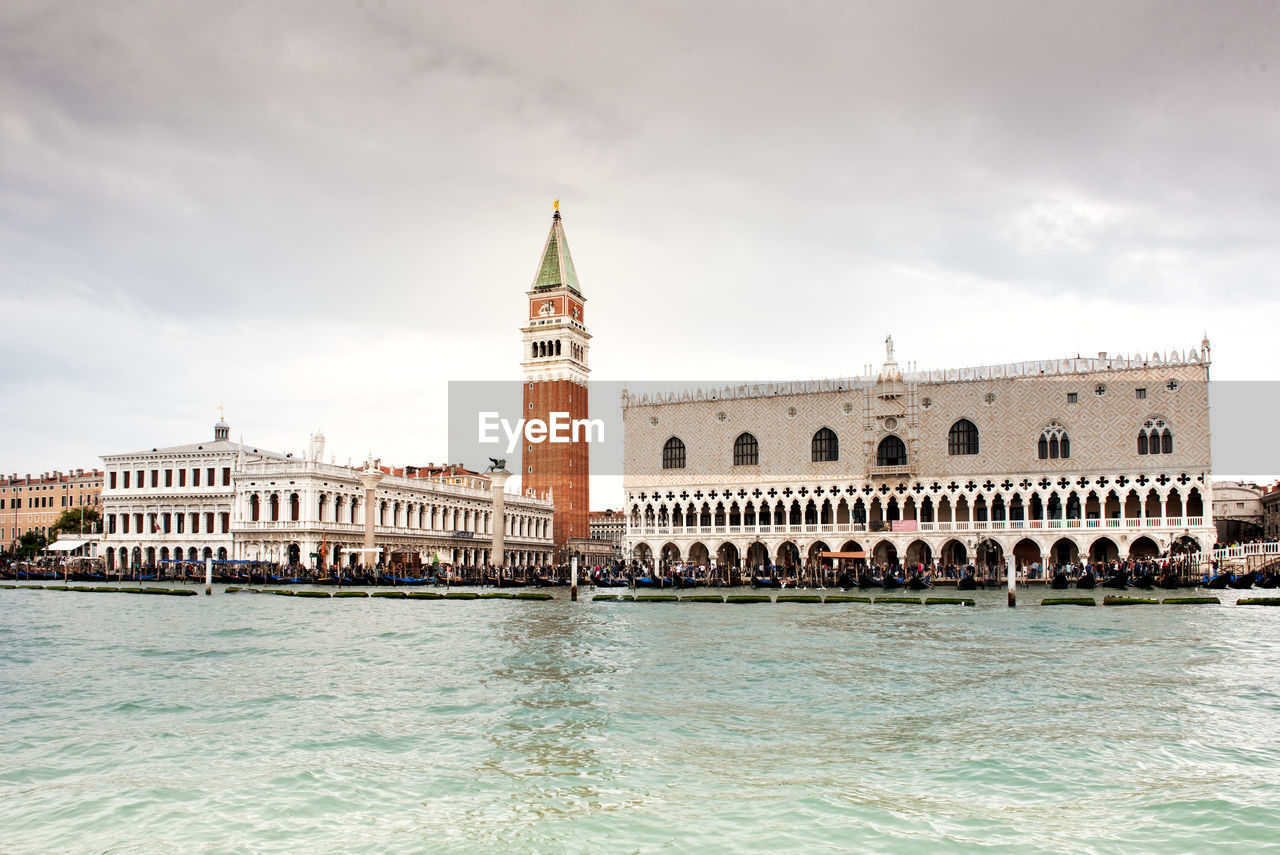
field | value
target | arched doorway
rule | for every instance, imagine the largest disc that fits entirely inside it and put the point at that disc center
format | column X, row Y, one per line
column 1104, row 549
column 919, row 552
column 1026, row 554
column 990, row 555
column 699, row 556
column 295, row 555
column 954, row 553
column 222, row 553
column 1143, row 549
column 727, row 555
column 644, row 555
column 151, row 556
column 1064, row 551
column 815, row 554
column 670, row 555
column 757, row 557
column 788, row 554
column 885, row 554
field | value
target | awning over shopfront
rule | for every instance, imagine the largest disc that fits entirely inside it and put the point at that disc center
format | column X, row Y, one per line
column 66, row 545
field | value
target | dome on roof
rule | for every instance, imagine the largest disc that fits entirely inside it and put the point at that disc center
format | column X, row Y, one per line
column 221, row 430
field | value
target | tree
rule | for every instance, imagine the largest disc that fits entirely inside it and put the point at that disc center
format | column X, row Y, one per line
column 31, row 543
column 70, row 522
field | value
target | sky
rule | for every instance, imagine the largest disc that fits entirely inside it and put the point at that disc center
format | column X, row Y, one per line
column 317, row 214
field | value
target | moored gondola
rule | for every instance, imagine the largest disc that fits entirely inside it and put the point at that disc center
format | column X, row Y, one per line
column 1087, row 581
column 1118, row 581
column 1242, row 583
column 1059, row 582
column 1145, row 581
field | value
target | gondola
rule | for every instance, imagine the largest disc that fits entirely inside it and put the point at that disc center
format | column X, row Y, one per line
column 1169, row 581
column 1087, row 581
column 918, row 583
column 967, row 582
column 1145, row 581
column 846, row 580
column 1118, row 581
column 1269, row 581
column 1242, row 583
column 501, row 582
column 1059, row 582
column 892, row 582
column 1219, row 582
column 866, row 580
column 611, row 582
column 766, row 582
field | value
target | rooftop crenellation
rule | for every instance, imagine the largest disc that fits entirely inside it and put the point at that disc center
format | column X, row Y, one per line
column 1068, row 366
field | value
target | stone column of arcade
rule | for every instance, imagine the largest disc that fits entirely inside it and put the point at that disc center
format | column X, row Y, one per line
column 498, row 483
column 370, row 478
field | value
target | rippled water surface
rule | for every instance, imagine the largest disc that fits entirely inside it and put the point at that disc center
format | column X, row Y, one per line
column 248, row 723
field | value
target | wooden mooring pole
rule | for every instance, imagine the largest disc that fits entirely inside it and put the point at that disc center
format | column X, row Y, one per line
column 573, row 578
column 1013, row 578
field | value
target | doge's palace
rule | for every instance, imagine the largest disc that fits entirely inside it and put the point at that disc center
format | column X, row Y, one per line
column 1047, row 461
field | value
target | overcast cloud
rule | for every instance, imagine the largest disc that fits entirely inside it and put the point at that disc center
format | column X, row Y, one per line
column 319, row 213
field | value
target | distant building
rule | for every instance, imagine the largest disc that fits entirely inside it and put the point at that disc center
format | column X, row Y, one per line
column 231, row 501
column 446, row 473
column 291, row 511
column 1046, row 461
column 1237, row 510
column 173, row 503
column 34, row 503
column 1271, row 513
column 609, row 527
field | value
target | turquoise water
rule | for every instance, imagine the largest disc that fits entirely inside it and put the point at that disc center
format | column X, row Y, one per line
column 242, row 723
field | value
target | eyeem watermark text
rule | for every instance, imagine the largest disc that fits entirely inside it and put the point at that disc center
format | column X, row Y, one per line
column 559, row 428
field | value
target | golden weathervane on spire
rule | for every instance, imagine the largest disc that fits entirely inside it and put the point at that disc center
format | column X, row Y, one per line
column 556, row 205
column 221, row 414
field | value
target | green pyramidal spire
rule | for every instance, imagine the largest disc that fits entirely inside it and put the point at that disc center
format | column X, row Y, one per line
column 557, row 265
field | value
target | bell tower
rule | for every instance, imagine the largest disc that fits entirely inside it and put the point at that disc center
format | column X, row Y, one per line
column 556, row 344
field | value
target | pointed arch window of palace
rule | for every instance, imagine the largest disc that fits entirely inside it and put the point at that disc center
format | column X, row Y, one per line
column 825, row 446
column 746, row 451
column 1155, row 437
column 891, row 452
column 673, row 453
column 1054, row 442
column 962, row 438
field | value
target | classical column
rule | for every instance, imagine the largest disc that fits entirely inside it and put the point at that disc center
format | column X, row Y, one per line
column 370, row 477
column 498, row 483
